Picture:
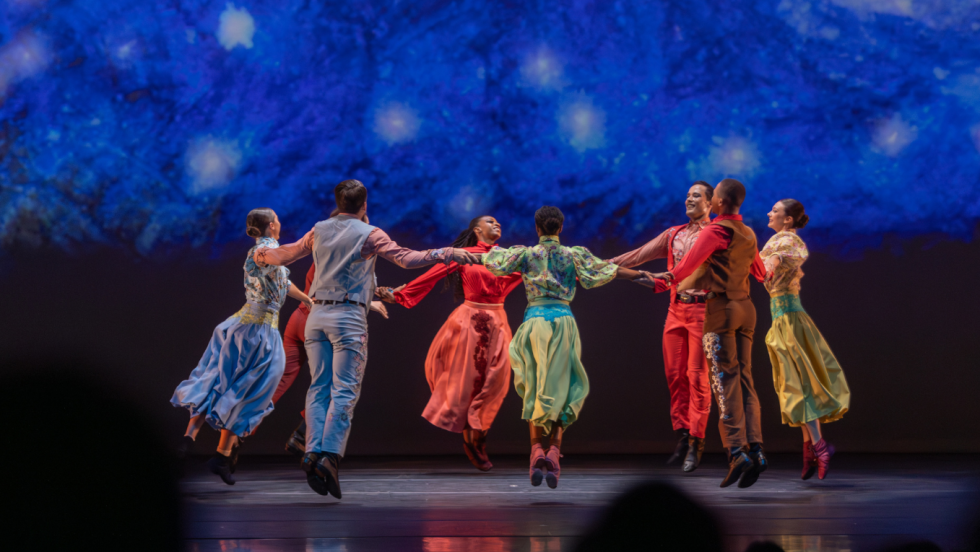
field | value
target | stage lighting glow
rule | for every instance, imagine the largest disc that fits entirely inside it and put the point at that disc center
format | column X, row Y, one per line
column 582, row 124
column 23, row 57
column 543, row 70
column 607, row 109
column 892, row 135
column 396, row 123
column 211, row 164
column 236, row 27
column 735, row 157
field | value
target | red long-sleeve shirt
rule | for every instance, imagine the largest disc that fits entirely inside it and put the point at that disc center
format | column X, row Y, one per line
column 479, row 285
column 714, row 237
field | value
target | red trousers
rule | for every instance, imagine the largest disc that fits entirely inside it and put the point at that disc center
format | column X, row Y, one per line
column 686, row 367
column 293, row 342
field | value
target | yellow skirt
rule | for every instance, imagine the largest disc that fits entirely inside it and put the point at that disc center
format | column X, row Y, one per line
column 808, row 380
column 545, row 355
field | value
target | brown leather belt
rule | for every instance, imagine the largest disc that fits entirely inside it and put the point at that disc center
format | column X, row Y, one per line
column 690, row 299
column 332, row 302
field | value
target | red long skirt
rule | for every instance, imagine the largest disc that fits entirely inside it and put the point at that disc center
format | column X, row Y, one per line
column 468, row 368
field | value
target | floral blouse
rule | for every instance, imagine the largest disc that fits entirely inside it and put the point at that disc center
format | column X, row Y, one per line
column 549, row 269
column 792, row 253
column 269, row 284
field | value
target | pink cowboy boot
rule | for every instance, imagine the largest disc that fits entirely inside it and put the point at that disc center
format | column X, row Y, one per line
column 554, row 468
column 539, row 463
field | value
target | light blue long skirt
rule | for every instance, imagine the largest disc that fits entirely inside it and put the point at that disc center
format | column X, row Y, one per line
column 234, row 382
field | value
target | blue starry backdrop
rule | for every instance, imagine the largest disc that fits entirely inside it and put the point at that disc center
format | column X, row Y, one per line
column 156, row 125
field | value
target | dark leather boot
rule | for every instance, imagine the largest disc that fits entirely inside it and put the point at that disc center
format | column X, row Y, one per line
column 220, row 465
column 296, row 443
column 759, row 465
column 695, row 448
column 681, row 448
column 185, row 446
column 738, row 464
column 308, row 464
column 233, row 458
column 328, row 468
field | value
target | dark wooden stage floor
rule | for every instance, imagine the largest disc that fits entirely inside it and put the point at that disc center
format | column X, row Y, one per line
column 441, row 504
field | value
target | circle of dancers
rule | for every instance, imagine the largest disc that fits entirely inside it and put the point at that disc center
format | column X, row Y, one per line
column 707, row 340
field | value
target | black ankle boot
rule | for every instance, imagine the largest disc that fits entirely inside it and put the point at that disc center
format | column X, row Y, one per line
column 681, row 448
column 220, row 465
column 328, row 469
column 184, row 447
column 759, row 465
column 233, row 457
column 315, row 482
column 695, row 448
column 738, row 463
column 296, row 443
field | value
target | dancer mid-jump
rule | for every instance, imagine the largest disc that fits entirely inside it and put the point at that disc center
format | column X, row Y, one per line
column 807, row 377
column 233, row 384
column 344, row 250
column 546, row 351
column 720, row 263
column 468, row 366
column 684, row 360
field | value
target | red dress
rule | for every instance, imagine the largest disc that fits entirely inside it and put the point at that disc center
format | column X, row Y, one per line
column 468, row 366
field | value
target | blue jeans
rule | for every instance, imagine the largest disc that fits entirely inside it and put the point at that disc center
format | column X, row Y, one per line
column 336, row 344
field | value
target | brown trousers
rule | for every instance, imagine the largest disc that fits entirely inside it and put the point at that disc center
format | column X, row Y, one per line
column 729, row 326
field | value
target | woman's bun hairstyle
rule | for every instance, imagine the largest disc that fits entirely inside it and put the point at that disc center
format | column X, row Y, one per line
column 794, row 209
column 549, row 219
column 258, row 220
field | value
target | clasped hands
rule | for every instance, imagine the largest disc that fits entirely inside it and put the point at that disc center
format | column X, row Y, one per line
column 648, row 279
column 460, row 256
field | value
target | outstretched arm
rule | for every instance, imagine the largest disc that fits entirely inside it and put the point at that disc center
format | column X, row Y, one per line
column 627, row 274
column 284, row 254
column 412, row 293
column 378, row 243
column 501, row 262
column 653, row 249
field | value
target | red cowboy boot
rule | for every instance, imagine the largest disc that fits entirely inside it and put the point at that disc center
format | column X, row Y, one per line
column 823, row 451
column 809, row 461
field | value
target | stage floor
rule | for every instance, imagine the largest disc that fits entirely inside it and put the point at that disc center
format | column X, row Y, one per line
column 441, row 504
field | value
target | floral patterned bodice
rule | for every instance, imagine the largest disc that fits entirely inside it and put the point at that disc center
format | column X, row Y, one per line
column 549, row 269
column 266, row 285
column 792, row 253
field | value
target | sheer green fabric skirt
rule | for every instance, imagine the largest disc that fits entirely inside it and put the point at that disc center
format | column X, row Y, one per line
column 808, row 380
column 545, row 355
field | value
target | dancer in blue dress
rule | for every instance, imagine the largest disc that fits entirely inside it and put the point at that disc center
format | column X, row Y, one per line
column 232, row 386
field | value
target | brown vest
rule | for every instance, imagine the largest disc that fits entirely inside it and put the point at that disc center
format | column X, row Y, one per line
column 727, row 271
